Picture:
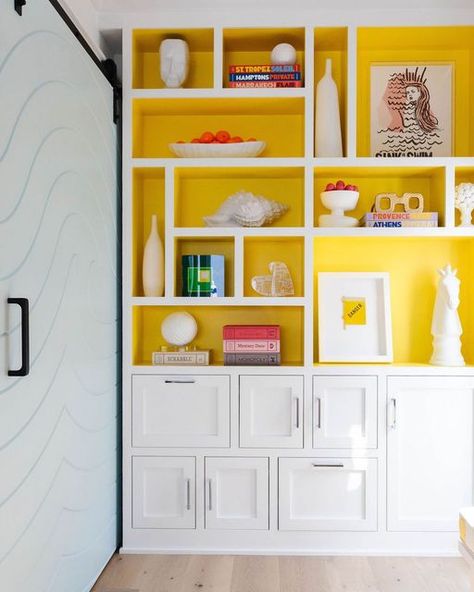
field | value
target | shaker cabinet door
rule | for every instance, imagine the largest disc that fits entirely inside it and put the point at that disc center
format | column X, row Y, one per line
column 328, row 494
column 344, row 412
column 237, row 493
column 180, row 411
column 429, row 452
column 163, row 492
column 271, row 411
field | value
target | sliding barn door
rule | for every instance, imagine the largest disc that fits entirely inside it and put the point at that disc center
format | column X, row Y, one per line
column 58, row 245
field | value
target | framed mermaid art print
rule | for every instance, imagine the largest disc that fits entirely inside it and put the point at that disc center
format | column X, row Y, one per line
column 411, row 110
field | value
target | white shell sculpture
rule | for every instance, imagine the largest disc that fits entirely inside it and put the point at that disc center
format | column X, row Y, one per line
column 279, row 283
column 179, row 328
column 246, row 209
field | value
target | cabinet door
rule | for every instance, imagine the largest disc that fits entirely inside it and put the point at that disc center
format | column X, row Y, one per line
column 430, row 452
column 271, row 411
column 344, row 412
column 181, row 411
column 328, row 494
column 163, row 492
column 237, row 493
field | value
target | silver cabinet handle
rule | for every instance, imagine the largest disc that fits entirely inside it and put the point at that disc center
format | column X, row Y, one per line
column 393, row 408
column 327, row 465
column 209, row 495
column 317, row 422
column 177, row 381
column 188, row 494
column 297, row 413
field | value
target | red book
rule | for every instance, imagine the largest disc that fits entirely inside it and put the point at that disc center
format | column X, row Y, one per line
column 251, row 332
column 252, row 345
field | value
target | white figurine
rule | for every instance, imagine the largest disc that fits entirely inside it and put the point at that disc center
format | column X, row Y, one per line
column 174, row 62
column 446, row 326
column 283, row 54
column 464, row 202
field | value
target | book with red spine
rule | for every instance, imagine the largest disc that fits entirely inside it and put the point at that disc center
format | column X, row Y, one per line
column 263, row 68
column 255, row 332
column 252, row 345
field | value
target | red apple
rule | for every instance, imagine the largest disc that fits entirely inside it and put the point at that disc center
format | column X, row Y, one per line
column 330, row 187
column 340, row 185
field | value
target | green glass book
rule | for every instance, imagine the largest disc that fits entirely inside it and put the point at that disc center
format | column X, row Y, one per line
column 203, row 275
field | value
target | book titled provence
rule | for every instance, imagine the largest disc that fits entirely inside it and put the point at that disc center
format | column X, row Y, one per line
column 203, row 275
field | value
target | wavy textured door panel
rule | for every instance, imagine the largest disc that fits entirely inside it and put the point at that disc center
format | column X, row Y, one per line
column 58, row 244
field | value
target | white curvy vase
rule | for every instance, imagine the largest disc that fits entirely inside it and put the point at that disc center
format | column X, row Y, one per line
column 153, row 263
column 328, row 136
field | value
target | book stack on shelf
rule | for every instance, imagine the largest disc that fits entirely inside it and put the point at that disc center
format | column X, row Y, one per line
column 252, row 345
column 400, row 220
column 265, row 76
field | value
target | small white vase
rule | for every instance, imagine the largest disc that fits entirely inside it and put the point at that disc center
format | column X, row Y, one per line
column 153, row 271
column 327, row 134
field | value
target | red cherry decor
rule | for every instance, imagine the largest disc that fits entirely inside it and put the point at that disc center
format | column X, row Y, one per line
column 341, row 186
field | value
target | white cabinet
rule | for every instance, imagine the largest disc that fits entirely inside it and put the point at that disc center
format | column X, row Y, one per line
column 430, row 452
column 163, row 492
column 344, row 412
column 237, row 493
column 328, row 494
column 180, row 411
column 271, row 411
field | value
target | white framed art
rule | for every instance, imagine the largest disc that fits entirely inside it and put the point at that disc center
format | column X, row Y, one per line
column 354, row 317
column 411, row 110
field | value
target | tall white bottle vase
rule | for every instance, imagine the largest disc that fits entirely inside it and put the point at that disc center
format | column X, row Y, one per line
column 328, row 136
column 153, row 272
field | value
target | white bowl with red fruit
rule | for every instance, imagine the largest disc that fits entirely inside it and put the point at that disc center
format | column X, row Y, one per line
column 219, row 145
column 339, row 197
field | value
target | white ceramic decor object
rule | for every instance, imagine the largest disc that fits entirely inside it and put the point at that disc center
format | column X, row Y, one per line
column 234, row 150
column 246, row 209
column 174, row 62
column 328, row 136
column 283, row 54
column 464, row 202
column 338, row 201
column 153, row 271
column 446, row 325
column 179, row 328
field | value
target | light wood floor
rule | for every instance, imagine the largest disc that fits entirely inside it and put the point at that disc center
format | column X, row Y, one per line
column 183, row 573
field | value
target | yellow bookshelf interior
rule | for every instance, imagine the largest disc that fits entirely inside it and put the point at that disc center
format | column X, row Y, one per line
column 206, row 246
column 412, row 263
column 159, row 122
column 200, row 191
column 412, row 46
column 331, row 42
column 210, row 319
column 148, row 199
column 259, row 252
column 253, row 46
column 146, row 57
column 429, row 181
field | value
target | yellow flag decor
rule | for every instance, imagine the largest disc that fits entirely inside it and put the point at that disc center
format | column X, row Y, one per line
column 354, row 311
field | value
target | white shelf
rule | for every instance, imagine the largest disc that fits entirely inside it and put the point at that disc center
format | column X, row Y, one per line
column 224, row 301
column 217, row 162
column 219, row 93
column 231, row 231
column 380, row 232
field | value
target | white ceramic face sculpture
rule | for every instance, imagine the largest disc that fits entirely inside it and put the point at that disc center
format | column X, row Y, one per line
column 174, row 62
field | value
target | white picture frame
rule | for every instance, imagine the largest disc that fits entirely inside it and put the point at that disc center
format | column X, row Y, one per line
column 370, row 341
column 411, row 109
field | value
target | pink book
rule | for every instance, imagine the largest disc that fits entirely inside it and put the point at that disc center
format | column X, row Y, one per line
column 252, row 345
column 255, row 332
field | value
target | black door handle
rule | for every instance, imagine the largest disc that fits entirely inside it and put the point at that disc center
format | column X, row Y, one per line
column 25, row 336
